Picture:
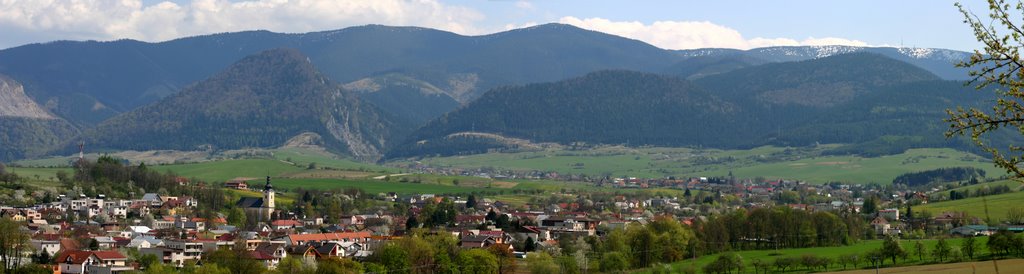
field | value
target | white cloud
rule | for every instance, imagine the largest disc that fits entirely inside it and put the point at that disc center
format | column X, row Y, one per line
column 114, row 19
column 526, row 5
column 694, row 34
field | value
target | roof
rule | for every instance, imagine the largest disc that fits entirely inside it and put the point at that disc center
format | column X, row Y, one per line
column 109, row 255
column 269, row 248
column 324, row 237
column 74, row 256
column 261, row 256
column 151, row 197
column 327, row 248
column 249, row 202
column 286, row 223
column 79, row 256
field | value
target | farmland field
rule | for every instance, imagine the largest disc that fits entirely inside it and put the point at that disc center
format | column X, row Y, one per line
column 768, row 162
column 303, row 157
column 998, row 205
column 372, row 186
column 831, row 252
column 983, row 267
column 40, row 176
column 219, row 171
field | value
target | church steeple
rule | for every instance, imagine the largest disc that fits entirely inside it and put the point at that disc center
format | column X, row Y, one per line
column 268, row 195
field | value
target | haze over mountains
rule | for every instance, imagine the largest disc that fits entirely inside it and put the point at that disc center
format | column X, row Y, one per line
column 365, row 89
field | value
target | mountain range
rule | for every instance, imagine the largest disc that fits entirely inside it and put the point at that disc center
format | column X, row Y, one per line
column 390, row 87
column 856, row 99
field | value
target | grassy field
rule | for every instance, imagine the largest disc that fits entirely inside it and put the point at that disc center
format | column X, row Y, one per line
column 998, row 205
column 768, row 162
column 282, row 199
column 372, row 186
column 832, row 252
column 303, row 157
column 40, row 176
column 1014, row 185
column 219, row 171
column 983, row 267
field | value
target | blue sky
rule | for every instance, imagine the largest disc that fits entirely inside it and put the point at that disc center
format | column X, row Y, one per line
column 667, row 24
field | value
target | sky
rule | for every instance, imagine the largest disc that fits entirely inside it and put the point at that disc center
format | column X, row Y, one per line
column 667, row 24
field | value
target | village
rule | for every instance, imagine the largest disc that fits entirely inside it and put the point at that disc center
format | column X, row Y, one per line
column 100, row 234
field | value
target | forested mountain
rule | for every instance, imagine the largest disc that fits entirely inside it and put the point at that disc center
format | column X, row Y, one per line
column 937, row 61
column 413, row 75
column 88, row 82
column 260, row 101
column 602, row 107
column 26, row 130
column 876, row 104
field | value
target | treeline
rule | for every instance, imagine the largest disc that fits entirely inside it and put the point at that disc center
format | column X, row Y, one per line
column 949, row 174
column 979, row 192
column 114, row 178
column 778, row 227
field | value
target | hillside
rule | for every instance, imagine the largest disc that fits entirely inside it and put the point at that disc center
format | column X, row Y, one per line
column 28, row 129
column 601, row 107
column 857, row 98
column 937, row 61
column 88, row 82
column 261, row 101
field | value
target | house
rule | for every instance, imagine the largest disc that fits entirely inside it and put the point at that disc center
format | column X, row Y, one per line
column 882, row 226
column 270, row 254
column 285, row 224
column 144, row 241
column 50, row 247
column 176, row 253
column 305, row 253
column 972, row 230
column 891, row 214
column 302, row 239
column 152, row 199
column 478, row 241
column 262, row 207
column 236, row 184
column 93, row 262
column 105, row 242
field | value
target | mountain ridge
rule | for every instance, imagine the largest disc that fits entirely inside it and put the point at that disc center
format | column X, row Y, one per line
column 770, row 104
column 263, row 100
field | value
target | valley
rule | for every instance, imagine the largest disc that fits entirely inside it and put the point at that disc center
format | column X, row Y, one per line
column 539, row 148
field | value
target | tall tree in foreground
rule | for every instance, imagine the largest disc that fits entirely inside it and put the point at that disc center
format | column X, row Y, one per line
column 13, row 244
column 998, row 65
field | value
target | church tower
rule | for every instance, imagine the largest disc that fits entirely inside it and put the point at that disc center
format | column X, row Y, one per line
column 268, row 198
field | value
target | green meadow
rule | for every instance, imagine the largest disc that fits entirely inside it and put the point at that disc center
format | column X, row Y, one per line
column 768, row 162
column 223, row 170
column 997, row 205
column 862, row 247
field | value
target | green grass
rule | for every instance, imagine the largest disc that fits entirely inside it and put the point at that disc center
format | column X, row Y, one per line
column 833, row 252
column 219, row 171
column 374, row 186
column 303, row 157
column 282, row 199
column 1014, row 185
column 998, row 205
column 40, row 176
column 61, row 161
column 768, row 162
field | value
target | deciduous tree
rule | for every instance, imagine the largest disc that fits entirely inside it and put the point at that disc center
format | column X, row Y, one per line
column 999, row 64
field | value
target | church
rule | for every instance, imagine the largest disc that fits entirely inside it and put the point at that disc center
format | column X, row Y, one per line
column 262, row 207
